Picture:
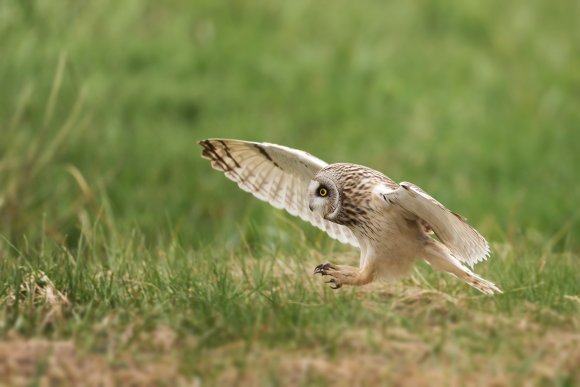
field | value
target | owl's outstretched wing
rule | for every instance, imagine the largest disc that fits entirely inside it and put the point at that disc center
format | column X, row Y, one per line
column 273, row 173
column 465, row 242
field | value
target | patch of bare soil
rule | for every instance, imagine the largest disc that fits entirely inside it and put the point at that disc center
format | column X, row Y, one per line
column 60, row 363
column 396, row 357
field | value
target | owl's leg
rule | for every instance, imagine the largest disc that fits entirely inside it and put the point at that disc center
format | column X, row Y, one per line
column 344, row 275
column 440, row 258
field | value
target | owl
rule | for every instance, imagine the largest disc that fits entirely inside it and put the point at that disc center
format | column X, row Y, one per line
column 393, row 224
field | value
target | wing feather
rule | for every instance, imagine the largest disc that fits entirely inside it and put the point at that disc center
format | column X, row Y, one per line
column 465, row 242
column 276, row 174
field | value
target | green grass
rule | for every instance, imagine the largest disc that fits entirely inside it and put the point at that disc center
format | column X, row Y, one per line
column 167, row 272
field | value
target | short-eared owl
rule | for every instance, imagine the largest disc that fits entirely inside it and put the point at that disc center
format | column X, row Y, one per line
column 390, row 223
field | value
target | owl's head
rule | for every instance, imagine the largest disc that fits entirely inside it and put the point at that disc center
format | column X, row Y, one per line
column 324, row 197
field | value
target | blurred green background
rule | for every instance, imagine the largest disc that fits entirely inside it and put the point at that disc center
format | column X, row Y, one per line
column 117, row 239
column 477, row 102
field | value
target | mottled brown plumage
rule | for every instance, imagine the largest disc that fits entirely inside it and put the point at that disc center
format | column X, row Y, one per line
column 391, row 223
column 355, row 184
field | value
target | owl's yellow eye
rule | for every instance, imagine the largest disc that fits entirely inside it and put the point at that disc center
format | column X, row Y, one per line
column 322, row 192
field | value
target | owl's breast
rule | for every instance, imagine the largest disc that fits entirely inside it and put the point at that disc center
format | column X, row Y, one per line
column 386, row 229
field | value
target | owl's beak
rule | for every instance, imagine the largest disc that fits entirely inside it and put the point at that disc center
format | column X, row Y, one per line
column 310, row 207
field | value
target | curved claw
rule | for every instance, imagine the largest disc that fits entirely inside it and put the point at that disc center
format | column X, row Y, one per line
column 319, row 269
column 322, row 268
column 336, row 284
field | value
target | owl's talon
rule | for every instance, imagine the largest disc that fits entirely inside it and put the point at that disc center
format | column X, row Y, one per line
column 337, row 285
column 329, row 269
column 323, row 268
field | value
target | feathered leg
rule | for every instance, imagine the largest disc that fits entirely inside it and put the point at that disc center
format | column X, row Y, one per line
column 439, row 256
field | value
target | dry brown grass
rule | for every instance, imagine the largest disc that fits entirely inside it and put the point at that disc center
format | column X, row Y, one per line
column 61, row 363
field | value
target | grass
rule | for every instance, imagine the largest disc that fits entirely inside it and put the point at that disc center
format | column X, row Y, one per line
column 125, row 259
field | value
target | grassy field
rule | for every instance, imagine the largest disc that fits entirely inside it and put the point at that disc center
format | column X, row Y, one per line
column 124, row 259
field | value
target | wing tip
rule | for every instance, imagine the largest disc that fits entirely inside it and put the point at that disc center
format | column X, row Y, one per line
column 208, row 142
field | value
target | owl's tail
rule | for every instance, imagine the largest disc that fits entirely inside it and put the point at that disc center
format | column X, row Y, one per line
column 440, row 258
